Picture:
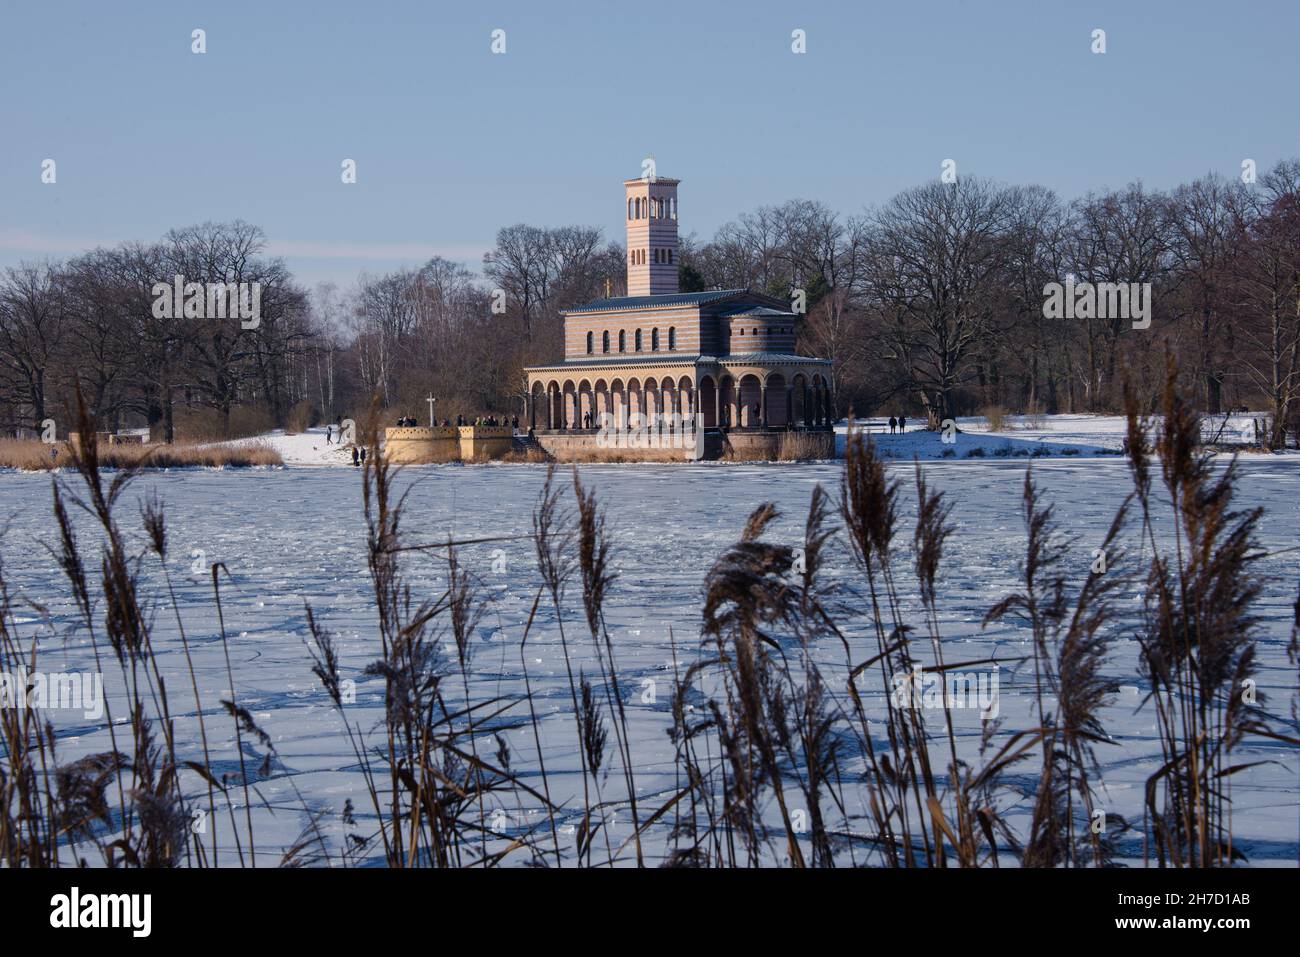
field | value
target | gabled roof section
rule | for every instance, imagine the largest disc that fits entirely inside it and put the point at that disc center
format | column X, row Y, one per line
column 622, row 303
column 761, row 312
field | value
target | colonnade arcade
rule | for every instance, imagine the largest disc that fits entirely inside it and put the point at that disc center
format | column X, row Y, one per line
column 743, row 400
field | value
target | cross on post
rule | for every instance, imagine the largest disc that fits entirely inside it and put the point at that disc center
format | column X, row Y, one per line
column 430, row 400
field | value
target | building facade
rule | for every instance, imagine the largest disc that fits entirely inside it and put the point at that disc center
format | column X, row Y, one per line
column 724, row 359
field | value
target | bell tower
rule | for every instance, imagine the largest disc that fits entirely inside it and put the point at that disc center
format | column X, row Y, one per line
column 651, row 236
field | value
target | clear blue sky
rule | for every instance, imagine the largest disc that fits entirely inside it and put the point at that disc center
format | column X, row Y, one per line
column 453, row 142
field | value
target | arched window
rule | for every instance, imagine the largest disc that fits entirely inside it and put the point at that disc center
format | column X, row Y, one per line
column 622, row 341
column 654, row 340
column 604, row 341
column 590, row 343
column 670, row 257
column 629, row 207
column 672, row 338
column 638, row 340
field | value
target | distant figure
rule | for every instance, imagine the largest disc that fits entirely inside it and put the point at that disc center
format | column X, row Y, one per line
column 363, row 454
column 514, row 423
column 355, row 458
column 902, row 424
column 893, row 424
column 586, row 420
column 329, row 434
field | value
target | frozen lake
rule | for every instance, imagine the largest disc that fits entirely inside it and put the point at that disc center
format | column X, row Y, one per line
column 297, row 535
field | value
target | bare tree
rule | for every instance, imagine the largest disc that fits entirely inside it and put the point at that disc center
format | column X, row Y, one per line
column 1266, row 287
column 32, row 326
column 935, row 262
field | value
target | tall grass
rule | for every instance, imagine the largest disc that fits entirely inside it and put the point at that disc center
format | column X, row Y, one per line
column 33, row 456
column 781, row 754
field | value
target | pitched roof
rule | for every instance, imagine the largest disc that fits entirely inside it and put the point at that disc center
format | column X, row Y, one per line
column 764, row 312
column 599, row 362
column 652, row 302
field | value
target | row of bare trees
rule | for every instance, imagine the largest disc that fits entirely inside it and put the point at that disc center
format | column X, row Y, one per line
column 92, row 321
column 932, row 303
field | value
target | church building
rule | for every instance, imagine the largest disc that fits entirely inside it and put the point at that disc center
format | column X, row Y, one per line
column 724, row 358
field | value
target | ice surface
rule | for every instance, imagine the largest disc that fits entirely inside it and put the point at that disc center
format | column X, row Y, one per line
column 296, row 535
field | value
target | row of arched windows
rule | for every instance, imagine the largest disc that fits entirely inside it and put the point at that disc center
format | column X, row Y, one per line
column 637, row 257
column 652, row 207
column 636, row 338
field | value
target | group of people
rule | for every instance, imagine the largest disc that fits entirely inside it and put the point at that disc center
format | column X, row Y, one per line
column 490, row 420
column 899, row 423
